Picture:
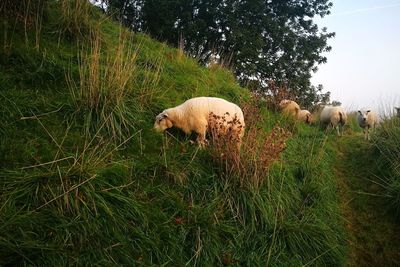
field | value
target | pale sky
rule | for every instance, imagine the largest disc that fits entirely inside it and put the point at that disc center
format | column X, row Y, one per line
column 363, row 68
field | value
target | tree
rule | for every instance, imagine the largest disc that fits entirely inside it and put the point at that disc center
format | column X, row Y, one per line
column 313, row 96
column 336, row 103
column 261, row 39
column 128, row 12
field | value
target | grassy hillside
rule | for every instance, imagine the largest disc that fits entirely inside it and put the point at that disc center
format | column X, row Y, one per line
column 84, row 179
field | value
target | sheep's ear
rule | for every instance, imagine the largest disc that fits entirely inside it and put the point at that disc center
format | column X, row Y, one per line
column 360, row 112
column 368, row 111
column 165, row 116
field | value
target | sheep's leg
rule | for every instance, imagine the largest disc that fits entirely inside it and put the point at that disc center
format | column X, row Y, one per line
column 329, row 128
column 201, row 135
column 201, row 140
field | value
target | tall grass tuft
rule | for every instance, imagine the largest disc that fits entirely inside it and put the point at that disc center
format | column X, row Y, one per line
column 180, row 52
column 105, row 84
column 146, row 83
column 386, row 141
column 76, row 20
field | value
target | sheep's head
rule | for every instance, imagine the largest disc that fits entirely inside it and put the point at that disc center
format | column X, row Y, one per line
column 284, row 103
column 363, row 114
column 162, row 122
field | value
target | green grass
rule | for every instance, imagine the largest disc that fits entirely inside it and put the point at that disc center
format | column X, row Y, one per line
column 371, row 226
column 387, row 152
column 73, row 194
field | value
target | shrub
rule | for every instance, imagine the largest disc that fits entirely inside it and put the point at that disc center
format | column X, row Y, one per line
column 260, row 149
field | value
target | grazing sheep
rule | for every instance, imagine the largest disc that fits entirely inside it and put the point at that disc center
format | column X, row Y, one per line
column 398, row 111
column 305, row 116
column 194, row 114
column 366, row 119
column 334, row 116
column 289, row 107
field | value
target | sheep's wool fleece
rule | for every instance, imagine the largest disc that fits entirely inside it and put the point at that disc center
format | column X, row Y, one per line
column 203, row 106
column 330, row 114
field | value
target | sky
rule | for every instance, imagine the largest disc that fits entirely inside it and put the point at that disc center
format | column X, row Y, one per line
column 363, row 68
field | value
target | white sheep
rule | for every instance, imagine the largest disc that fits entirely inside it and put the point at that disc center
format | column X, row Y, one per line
column 305, row 116
column 194, row 114
column 289, row 107
column 334, row 116
column 367, row 119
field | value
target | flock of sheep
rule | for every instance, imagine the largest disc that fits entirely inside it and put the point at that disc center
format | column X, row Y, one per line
column 194, row 115
column 333, row 116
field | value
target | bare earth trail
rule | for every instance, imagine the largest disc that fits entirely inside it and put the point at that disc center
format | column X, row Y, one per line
column 373, row 234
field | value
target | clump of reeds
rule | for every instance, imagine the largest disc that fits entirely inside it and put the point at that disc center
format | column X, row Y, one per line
column 105, row 84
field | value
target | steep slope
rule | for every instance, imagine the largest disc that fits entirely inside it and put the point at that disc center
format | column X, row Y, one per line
column 85, row 180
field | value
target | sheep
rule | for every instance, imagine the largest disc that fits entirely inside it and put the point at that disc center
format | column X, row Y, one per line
column 305, row 116
column 289, row 107
column 398, row 111
column 366, row 119
column 194, row 115
column 334, row 116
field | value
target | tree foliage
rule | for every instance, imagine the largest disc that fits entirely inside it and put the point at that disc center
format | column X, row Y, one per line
column 259, row 39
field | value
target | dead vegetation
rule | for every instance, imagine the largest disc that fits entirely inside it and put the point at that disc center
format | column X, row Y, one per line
column 247, row 160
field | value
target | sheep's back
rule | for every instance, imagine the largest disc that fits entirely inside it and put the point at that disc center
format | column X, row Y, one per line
column 289, row 107
column 330, row 114
column 203, row 106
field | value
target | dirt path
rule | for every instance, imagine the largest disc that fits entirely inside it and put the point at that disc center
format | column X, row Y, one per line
column 373, row 235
